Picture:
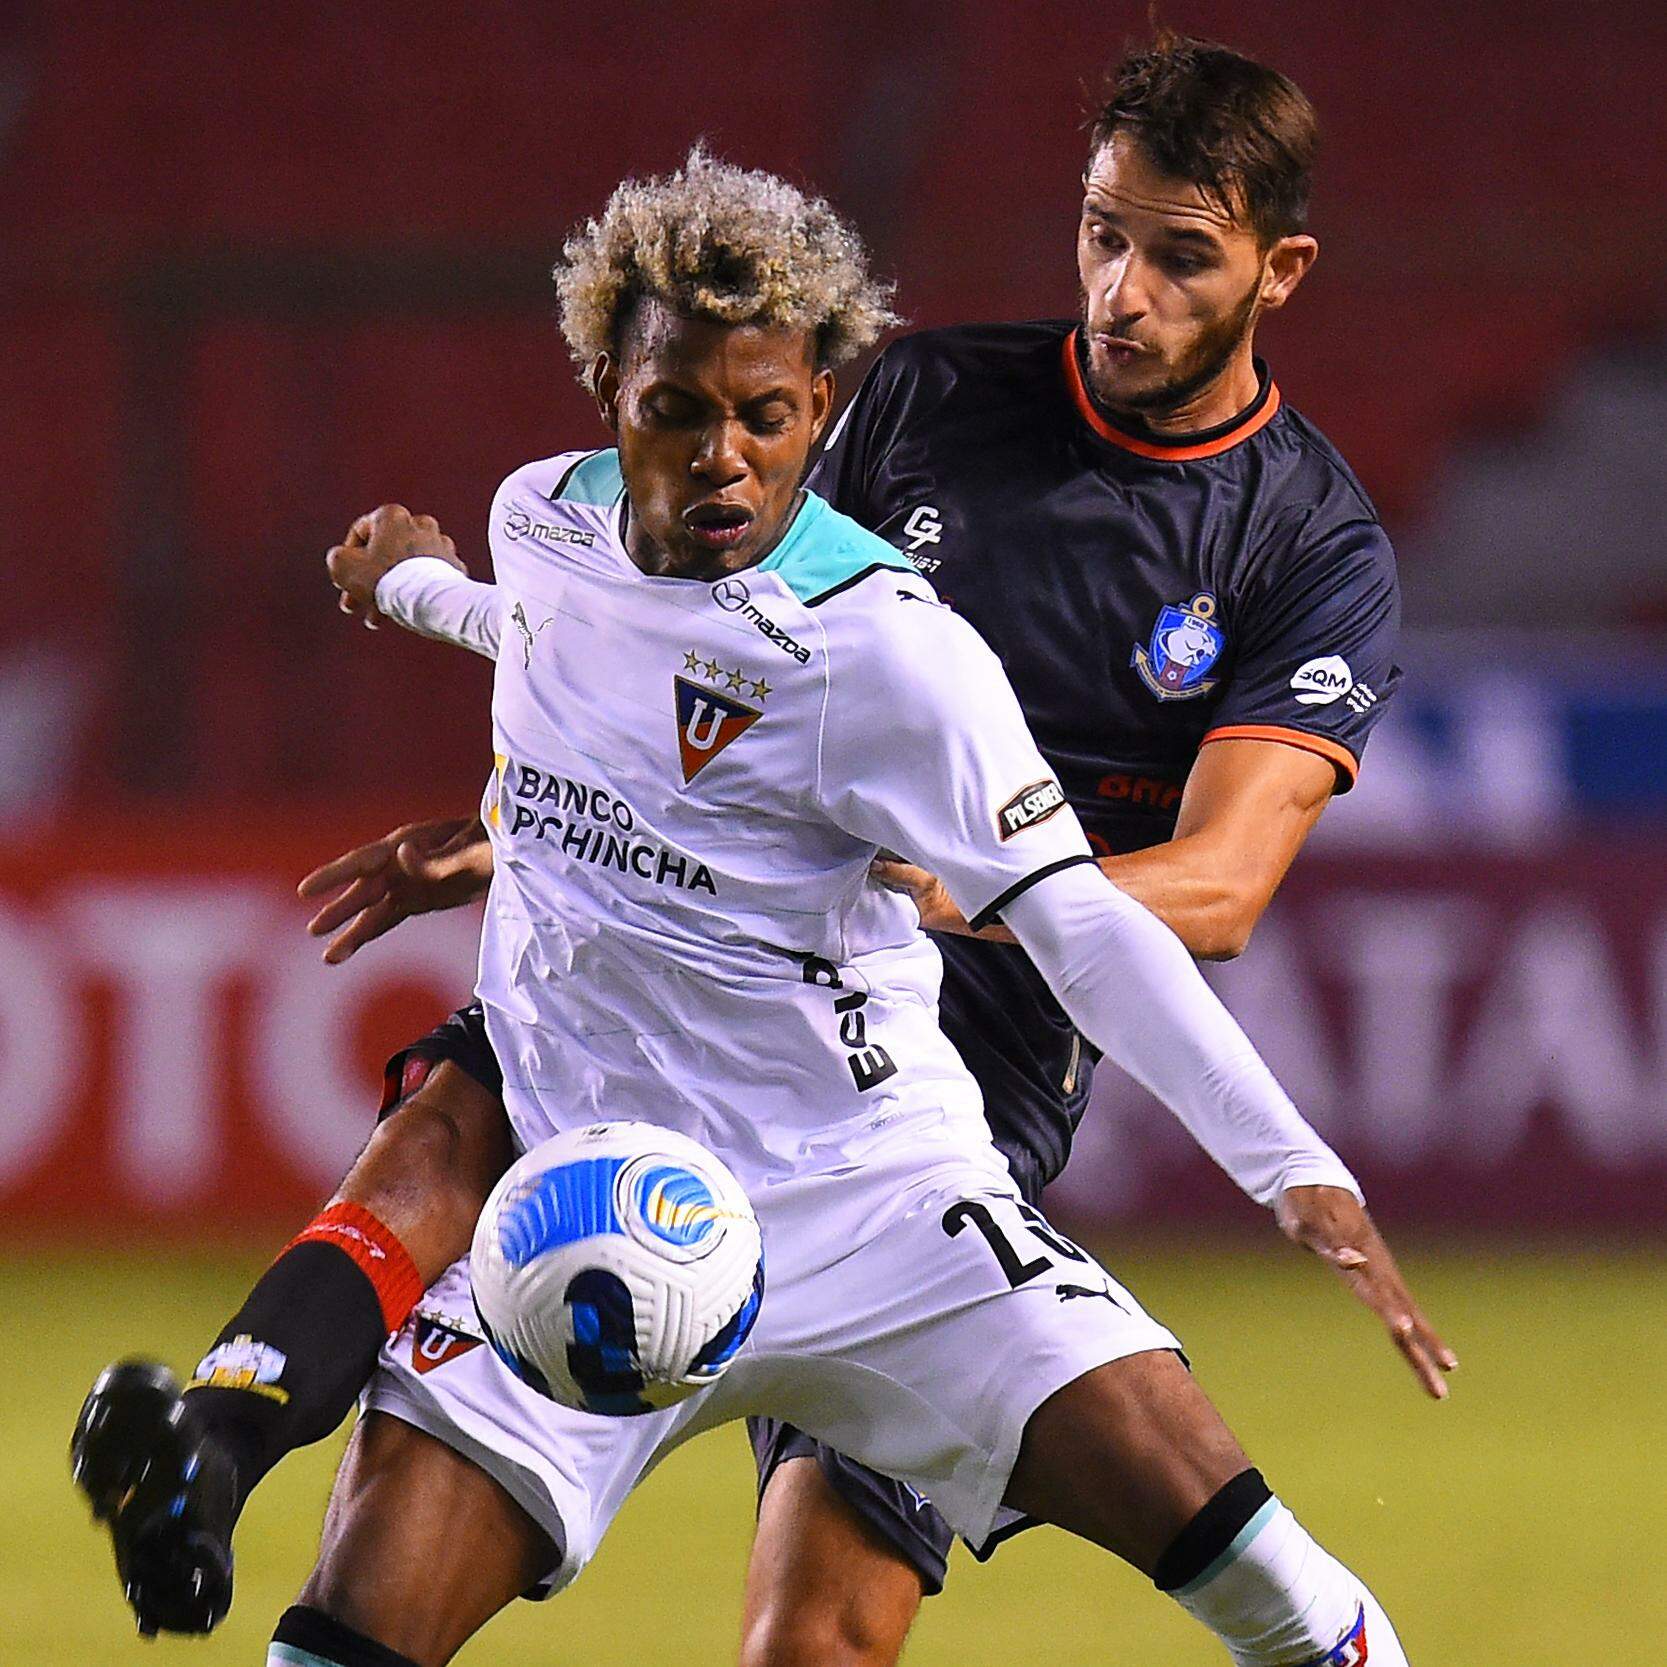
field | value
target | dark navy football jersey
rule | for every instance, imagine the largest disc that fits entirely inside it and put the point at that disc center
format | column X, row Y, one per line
column 1146, row 596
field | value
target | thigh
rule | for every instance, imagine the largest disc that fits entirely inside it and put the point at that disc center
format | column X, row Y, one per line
column 1125, row 1456
column 421, row 1547
column 824, row 1585
column 922, row 1350
column 893, row 1513
column 568, row 1471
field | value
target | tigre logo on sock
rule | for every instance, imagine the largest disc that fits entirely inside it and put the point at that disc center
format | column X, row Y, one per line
column 242, row 1363
column 1352, row 1651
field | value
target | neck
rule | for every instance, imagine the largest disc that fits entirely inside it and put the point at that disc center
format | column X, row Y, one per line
column 655, row 559
column 1217, row 401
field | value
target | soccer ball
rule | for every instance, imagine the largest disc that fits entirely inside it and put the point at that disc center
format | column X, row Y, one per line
column 617, row 1268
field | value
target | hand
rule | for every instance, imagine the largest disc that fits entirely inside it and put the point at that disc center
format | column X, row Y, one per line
column 1334, row 1224
column 376, row 542
column 937, row 909
column 417, row 869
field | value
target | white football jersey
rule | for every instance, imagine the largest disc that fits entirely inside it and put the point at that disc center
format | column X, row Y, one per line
column 691, row 781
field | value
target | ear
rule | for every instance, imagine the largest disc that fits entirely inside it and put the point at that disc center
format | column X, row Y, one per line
column 604, row 384
column 821, row 403
column 1286, row 266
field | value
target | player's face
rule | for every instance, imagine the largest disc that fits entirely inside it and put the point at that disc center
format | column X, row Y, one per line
column 715, row 425
column 1172, row 284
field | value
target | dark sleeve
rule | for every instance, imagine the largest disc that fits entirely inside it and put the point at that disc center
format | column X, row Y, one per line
column 1315, row 661
column 858, row 440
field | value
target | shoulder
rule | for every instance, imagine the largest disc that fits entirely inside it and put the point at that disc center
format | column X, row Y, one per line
column 827, row 554
column 554, row 506
column 980, row 352
column 1313, row 473
column 888, row 635
column 1315, row 514
column 581, row 477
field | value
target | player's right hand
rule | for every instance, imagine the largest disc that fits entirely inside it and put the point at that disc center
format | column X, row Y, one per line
column 1333, row 1223
column 417, row 869
column 376, row 542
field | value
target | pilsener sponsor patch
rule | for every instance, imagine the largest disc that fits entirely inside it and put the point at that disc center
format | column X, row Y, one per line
column 1029, row 806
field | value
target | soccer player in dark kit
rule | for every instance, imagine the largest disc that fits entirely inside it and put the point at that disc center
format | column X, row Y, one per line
column 1197, row 607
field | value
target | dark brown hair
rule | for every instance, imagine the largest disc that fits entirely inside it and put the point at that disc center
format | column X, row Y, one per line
column 1238, row 130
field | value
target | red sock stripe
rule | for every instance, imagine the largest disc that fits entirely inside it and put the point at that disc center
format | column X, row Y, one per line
column 383, row 1260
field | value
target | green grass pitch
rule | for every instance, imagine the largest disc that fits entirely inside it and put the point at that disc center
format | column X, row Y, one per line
column 1519, row 1523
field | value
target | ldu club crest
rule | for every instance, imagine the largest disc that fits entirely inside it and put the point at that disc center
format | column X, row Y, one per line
column 1186, row 642
column 708, row 720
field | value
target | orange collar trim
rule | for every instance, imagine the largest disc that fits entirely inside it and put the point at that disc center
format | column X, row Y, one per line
column 1144, row 448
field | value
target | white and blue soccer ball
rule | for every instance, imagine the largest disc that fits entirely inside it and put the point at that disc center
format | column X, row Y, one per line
column 617, row 1268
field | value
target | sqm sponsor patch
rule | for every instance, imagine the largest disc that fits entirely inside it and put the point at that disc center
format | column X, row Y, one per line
column 433, row 1343
column 1029, row 806
column 242, row 1363
column 1320, row 682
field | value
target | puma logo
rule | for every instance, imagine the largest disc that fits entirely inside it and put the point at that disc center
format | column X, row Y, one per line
column 1066, row 1292
column 528, row 633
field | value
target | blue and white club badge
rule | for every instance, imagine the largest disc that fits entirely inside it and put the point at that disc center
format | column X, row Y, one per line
column 1186, row 643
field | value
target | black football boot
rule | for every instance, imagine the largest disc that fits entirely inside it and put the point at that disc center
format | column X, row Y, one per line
column 166, row 1489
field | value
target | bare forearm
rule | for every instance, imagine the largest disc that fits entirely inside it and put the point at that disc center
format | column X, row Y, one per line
column 1208, row 905
column 1185, row 887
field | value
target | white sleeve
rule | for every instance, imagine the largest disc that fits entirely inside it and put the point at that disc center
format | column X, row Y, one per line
column 925, row 752
column 1131, row 988
column 430, row 597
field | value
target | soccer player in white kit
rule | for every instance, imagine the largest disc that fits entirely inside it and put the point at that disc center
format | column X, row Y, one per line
column 695, row 764
column 716, row 700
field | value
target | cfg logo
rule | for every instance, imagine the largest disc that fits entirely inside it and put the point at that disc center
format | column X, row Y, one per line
column 922, row 527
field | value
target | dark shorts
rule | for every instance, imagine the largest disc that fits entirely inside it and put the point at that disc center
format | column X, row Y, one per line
column 461, row 1039
column 901, row 1517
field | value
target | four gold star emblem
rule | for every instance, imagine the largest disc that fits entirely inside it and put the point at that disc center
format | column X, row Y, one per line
column 736, row 679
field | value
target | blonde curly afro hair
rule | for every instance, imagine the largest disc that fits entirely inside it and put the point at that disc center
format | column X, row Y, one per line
column 714, row 241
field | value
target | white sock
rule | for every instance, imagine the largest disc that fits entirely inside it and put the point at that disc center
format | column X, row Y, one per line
column 1277, row 1599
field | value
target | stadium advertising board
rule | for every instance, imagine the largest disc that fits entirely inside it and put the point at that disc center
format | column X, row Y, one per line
column 1486, row 1041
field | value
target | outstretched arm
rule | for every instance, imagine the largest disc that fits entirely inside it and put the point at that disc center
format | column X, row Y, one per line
column 959, row 788
column 1097, row 947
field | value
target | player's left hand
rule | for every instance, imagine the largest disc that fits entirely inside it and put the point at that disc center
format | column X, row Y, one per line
column 1333, row 1223
column 376, row 542
column 926, row 891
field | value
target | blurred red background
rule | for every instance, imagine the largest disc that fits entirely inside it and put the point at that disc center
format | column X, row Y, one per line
column 264, row 270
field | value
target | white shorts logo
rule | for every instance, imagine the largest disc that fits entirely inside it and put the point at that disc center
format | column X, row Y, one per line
column 1320, row 682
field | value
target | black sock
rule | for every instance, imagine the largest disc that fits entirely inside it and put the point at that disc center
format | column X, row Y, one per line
column 287, row 1367
column 319, row 1635
column 1212, row 1531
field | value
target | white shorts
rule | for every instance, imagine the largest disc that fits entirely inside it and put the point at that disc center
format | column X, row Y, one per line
column 919, row 1345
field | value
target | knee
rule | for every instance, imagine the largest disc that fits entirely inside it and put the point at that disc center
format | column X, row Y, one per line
column 450, row 1141
column 811, row 1634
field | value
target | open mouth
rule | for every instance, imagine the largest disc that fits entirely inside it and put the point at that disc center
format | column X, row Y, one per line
column 718, row 526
